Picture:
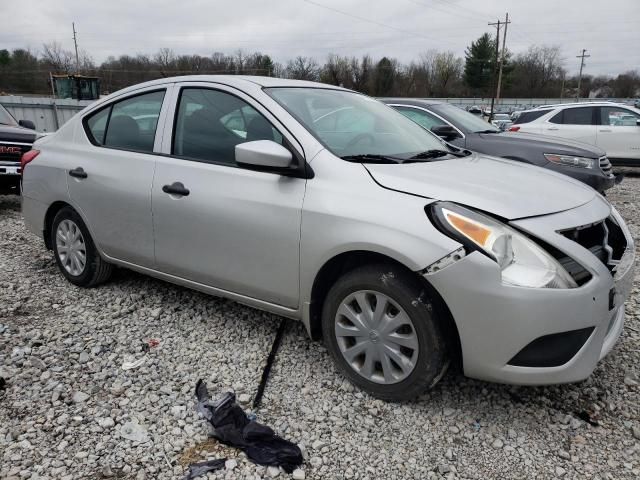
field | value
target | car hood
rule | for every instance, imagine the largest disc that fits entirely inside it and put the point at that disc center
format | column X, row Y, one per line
column 9, row 133
column 543, row 143
column 503, row 187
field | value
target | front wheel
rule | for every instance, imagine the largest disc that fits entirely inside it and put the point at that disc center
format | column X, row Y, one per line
column 381, row 330
column 75, row 252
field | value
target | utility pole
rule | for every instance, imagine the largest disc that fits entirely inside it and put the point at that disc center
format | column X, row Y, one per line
column 75, row 42
column 493, row 83
column 504, row 45
column 581, row 57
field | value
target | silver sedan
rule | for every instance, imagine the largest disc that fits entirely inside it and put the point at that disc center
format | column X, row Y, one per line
column 324, row 205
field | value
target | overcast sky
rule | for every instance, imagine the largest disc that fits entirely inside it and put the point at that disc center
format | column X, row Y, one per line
column 609, row 30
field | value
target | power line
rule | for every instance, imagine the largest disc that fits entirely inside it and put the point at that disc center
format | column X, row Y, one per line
column 362, row 19
column 457, row 14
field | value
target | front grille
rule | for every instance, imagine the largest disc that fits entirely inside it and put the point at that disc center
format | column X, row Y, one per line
column 605, row 240
column 605, row 165
column 12, row 152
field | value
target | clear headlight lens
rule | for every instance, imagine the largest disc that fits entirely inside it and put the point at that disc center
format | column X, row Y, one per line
column 571, row 161
column 522, row 262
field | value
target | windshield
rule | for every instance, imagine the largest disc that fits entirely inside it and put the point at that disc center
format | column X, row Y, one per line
column 351, row 124
column 6, row 118
column 465, row 121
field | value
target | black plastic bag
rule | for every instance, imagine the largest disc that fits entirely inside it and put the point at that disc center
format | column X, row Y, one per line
column 232, row 427
column 197, row 469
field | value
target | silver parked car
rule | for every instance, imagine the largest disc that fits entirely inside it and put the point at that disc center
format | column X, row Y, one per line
column 327, row 206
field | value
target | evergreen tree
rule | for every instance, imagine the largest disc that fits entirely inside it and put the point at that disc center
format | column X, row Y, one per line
column 385, row 74
column 480, row 64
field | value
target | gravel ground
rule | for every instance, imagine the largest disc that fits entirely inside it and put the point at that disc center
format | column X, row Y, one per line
column 68, row 410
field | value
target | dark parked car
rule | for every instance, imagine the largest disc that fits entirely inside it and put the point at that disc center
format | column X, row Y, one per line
column 475, row 110
column 581, row 161
column 15, row 139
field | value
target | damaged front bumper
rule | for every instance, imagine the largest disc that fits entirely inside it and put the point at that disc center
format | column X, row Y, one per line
column 536, row 336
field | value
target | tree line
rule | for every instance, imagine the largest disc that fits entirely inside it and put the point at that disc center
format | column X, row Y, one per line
column 536, row 73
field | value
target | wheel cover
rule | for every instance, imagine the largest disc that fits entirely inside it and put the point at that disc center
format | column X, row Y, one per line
column 376, row 337
column 71, row 247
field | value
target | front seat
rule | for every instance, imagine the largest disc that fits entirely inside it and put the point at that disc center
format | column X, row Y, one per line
column 204, row 137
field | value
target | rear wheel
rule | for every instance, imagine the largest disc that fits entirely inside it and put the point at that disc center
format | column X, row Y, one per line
column 380, row 328
column 75, row 252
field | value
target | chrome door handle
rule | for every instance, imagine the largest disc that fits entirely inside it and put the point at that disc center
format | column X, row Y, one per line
column 605, row 130
column 553, row 128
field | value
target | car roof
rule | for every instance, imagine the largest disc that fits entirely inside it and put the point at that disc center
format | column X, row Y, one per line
column 238, row 81
column 418, row 102
column 555, row 106
column 231, row 80
column 577, row 104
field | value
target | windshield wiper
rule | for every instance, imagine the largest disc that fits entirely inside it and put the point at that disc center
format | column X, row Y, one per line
column 439, row 153
column 373, row 158
column 488, row 131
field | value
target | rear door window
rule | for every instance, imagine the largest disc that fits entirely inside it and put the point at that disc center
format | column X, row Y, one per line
column 97, row 124
column 526, row 117
column 133, row 122
column 574, row 116
column 129, row 124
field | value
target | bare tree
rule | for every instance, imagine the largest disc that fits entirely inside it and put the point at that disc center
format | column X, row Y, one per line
column 86, row 61
column 627, row 84
column 165, row 59
column 447, row 68
column 361, row 72
column 221, row 63
column 57, row 58
column 337, row 71
column 303, row 68
column 537, row 68
column 239, row 59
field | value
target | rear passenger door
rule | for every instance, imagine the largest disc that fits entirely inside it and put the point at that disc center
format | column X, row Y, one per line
column 215, row 222
column 111, row 171
column 576, row 123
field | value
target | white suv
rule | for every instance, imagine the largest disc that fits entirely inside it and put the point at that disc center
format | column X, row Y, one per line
column 613, row 127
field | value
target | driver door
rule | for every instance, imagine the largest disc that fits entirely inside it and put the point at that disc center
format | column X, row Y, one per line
column 231, row 228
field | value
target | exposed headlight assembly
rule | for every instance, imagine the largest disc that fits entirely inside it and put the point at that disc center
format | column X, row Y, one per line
column 571, row 161
column 522, row 262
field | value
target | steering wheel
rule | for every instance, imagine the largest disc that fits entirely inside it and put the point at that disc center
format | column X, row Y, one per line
column 360, row 138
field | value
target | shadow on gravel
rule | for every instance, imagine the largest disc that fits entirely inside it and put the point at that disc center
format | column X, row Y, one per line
column 562, row 402
column 633, row 172
column 9, row 203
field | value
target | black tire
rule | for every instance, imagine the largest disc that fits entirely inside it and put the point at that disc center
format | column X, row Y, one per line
column 96, row 269
column 405, row 289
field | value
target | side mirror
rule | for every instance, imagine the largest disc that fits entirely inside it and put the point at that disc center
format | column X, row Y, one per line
column 445, row 131
column 27, row 124
column 638, row 122
column 263, row 155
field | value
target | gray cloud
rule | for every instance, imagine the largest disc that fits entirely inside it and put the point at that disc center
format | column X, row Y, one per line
column 286, row 28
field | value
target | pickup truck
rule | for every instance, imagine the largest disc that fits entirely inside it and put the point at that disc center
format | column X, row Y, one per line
column 16, row 137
